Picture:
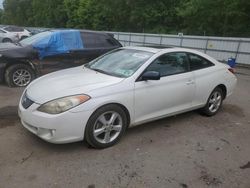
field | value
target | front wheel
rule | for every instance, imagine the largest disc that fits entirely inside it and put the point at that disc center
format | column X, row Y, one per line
column 106, row 126
column 19, row 75
column 214, row 102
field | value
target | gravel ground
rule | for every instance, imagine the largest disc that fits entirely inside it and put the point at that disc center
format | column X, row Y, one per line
column 184, row 151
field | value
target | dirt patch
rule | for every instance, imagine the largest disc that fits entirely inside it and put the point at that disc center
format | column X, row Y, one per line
column 224, row 140
column 183, row 185
column 209, row 179
column 8, row 116
column 245, row 166
column 234, row 110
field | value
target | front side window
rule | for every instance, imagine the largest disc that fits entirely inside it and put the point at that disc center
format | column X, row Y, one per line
column 120, row 63
column 198, row 62
column 170, row 64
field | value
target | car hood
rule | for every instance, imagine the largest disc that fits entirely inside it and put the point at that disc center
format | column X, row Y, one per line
column 13, row 51
column 68, row 82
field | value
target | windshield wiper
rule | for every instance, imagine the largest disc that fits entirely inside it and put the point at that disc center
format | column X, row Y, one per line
column 104, row 72
column 99, row 70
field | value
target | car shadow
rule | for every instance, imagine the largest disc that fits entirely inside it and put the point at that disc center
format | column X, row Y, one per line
column 9, row 117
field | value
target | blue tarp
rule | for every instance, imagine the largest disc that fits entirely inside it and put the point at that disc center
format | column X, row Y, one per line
column 59, row 42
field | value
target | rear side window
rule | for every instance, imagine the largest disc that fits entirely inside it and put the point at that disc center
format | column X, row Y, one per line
column 96, row 40
column 106, row 41
column 88, row 40
column 197, row 62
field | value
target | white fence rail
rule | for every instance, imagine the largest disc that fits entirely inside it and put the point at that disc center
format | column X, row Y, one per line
column 221, row 48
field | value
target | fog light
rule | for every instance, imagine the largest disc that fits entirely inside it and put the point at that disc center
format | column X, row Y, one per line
column 46, row 133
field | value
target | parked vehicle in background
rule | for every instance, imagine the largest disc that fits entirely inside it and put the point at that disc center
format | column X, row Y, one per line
column 19, row 31
column 125, row 87
column 6, row 36
column 51, row 51
column 34, row 31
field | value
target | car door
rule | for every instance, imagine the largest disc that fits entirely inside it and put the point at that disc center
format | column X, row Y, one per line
column 58, row 58
column 56, row 62
column 171, row 94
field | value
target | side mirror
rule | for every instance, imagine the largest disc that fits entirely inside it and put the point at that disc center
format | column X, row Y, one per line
column 151, row 75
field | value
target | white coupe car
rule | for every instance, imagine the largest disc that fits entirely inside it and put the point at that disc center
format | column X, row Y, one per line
column 125, row 87
column 20, row 32
column 6, row 36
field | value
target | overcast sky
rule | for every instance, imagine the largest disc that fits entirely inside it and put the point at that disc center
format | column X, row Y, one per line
column 1, row 3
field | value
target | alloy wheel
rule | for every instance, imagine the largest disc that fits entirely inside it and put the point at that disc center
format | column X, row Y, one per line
column 214, row 102
column 22, row 77
column 107, row 127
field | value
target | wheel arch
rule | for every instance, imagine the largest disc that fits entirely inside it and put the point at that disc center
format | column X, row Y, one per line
column 6, row 38
column 10, row 63
column 88, row 130
column 224, row 90
column 117, row 104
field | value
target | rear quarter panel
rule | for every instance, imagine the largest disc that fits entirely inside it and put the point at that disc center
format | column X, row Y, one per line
column 206, row 80
column 230, row 81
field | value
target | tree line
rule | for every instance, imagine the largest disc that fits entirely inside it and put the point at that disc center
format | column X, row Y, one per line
column 192, row 17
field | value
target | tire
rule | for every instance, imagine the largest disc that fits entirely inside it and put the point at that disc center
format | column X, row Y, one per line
column 19, row 75
column 214, row 103
column 7, row 40
column 109, row 133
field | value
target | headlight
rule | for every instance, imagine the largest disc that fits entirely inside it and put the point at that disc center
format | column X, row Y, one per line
column 60, row 105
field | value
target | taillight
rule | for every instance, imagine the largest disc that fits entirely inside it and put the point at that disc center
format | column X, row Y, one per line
column 231, row 70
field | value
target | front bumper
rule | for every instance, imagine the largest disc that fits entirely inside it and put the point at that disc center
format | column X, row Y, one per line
column 61, row 128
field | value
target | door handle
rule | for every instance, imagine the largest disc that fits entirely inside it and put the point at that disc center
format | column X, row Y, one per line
column 189, row 82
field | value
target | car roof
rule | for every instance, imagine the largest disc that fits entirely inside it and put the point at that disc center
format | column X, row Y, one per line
column 143, row 48
column 157, row 49
column 82, row 31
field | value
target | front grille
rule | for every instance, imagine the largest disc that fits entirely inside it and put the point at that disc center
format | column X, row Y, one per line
column 26, row 102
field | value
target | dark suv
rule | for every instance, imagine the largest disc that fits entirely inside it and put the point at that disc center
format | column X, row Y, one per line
column 49, row 51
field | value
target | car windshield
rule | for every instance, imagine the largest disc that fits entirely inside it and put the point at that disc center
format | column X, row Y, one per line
column 120, row 63
column 35, row 38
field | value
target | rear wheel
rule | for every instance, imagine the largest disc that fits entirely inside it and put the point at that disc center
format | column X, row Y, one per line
column 19, row 75
column 106, row 126
column 214, row 102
